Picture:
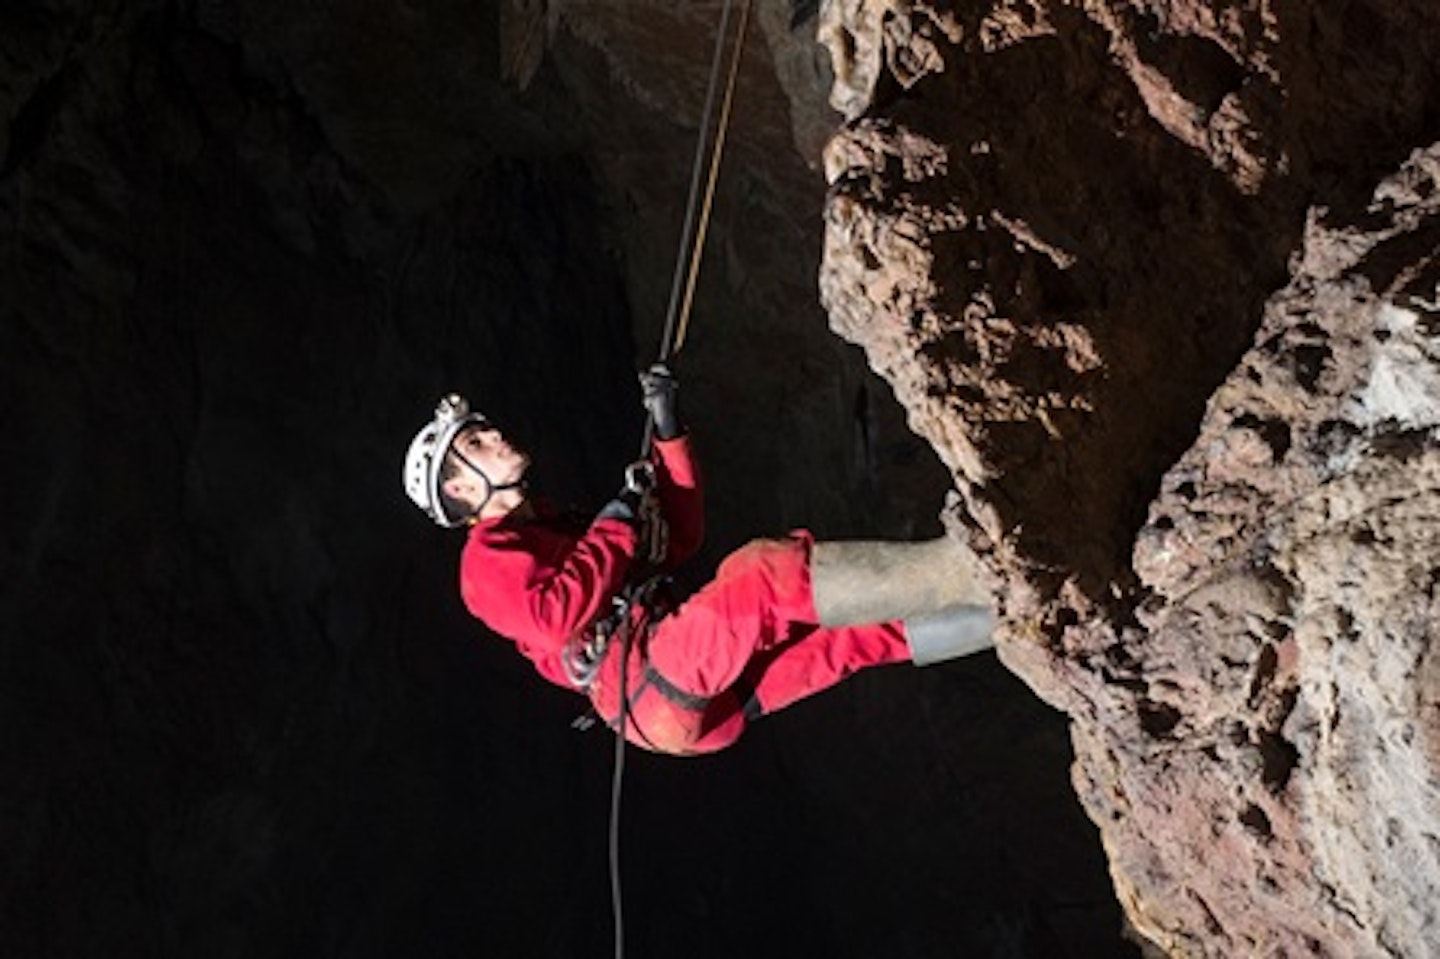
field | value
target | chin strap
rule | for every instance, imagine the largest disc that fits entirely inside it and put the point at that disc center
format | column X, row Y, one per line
column 491, row 487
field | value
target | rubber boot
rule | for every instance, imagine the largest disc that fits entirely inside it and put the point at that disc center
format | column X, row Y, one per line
column 870, row 581
column 950, row 633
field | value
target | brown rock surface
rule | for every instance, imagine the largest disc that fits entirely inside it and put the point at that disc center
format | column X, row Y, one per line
column 1291, row 555
column 1069, row 235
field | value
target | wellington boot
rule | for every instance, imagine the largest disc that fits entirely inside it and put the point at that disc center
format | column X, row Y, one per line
column 869, row 581
column 950, row 633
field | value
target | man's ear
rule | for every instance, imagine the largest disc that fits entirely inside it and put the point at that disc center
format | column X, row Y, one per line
column 458, row 487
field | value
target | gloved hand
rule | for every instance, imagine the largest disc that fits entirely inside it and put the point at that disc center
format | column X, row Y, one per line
column 659, row 394
column 636, row 506
column 624, row 507
column 629, row 504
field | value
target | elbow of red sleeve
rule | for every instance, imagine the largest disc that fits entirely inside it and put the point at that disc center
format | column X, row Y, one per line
column 685, row 542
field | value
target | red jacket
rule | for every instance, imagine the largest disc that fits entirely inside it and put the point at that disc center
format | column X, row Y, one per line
column 541, row 580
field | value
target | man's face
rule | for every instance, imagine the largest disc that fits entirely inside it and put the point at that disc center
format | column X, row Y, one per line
column 483, row 445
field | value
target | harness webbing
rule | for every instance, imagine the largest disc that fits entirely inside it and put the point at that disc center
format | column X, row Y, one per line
column 676, row 695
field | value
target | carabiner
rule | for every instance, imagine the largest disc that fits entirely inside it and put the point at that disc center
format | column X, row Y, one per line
column 640, row 477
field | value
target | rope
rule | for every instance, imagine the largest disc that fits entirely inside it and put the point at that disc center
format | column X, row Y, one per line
column 617, row 909
column 692, row 248
column 677, row 320
column 715, row 154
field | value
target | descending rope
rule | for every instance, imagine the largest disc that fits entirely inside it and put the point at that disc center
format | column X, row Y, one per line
column 617, row 909
column 666, row 349
column 692, row 240
column 677, row 320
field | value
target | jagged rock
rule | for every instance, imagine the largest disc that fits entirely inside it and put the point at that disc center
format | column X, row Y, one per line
column 1291, row 558
column 1080, row 238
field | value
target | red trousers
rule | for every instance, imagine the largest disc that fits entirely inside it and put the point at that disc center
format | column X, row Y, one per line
column 746, row 644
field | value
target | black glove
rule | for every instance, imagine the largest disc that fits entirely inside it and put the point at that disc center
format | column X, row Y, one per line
column 659, row 393
column 637, row 506
column 624, row 507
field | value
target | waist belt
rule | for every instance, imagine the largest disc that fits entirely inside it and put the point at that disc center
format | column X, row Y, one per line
column 650, row 676
column 743, row 690
column 638, row 609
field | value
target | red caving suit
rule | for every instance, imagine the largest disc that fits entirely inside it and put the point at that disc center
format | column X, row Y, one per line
column 745, row 644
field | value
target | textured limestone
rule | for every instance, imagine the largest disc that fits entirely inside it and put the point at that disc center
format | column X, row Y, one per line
column 1079, row 239
column 1295, row 544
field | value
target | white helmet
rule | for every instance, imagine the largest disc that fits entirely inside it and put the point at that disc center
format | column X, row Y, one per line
column 427, row 453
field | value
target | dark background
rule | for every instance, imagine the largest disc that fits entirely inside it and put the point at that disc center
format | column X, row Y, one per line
column 244, row 248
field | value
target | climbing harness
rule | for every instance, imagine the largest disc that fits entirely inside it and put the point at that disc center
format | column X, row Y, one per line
column 583, row 654
column 639, row 606
column 677, row 319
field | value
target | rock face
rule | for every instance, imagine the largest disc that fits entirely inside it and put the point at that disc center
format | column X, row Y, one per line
column 1291, row 558
column 1159, row 284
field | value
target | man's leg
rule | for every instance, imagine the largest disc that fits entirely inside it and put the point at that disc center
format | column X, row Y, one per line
column 760, row 611
column 660, row 719
column 874, row 581
column 682, row 694
column 821, row 657
column 760, row 595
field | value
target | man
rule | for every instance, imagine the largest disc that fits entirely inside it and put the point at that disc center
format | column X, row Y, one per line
column 782, row 619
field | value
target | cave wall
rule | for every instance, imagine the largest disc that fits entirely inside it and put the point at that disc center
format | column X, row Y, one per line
column 243, row 247
column 227, row 726
column 1157, row 282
